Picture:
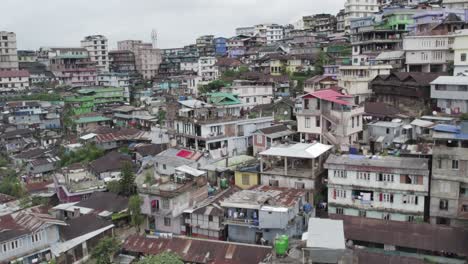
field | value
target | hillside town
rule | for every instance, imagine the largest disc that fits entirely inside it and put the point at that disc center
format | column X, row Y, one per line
column 341, row 138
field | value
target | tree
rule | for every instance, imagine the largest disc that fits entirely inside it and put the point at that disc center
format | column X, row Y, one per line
column 10, row 184
column 321, row 60
column 104, row 251
column 163, row 258
column 213, row 86
column 127, row 180
column 114, row 187
column 134, row 207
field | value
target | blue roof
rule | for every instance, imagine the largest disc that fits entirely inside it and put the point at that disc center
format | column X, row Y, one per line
column 447, row 128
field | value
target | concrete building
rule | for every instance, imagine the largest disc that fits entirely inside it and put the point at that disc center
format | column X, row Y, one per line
column 460, row 48
column 428, row 53
column 455, row 4
column 28, row 236
column 72, row 66
column 114, row 79
column 355, row 79
column 340, row 21
column 8, row 52
column 245, row 31
column 147, row 58
column 97, row 47
column 252, row 93
column 357, row 9
column 320, row 23
column 329, row 116
column 164, row 203
column 206, row 46
column 449, row 184
column 207, row 70
column 296, row 166
column 13, row 81
column 122, row 61
column 389, row 188
column 261, row 214
column 270, row 33
column 451, row 94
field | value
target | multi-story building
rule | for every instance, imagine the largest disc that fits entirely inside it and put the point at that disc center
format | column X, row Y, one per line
column 319, row 82
column 27, row 56
column 164, row 203
column 455, row 4
column 122, row 61
column 219, row 126
column 245, row 31
column 451, row 94
column 431, row 53
column 33, row 114
column 355, row 79
column 389, row 188
column 340, row 21
column 72, row 66
column 449, row 184
column 359, row 8
column 28, row 236
column 297, row 166
column 369, row 40
column 96, row 45
column 206, row 46
column 320, row 23
column 220, row 46
column 8, row 53
column 460, row 48
column 147, row 58
column 261, row 214
column 270, row 33
column 13, row 81
column 252, row 93
column 207, row 70
column 115, row 79
column 329, row 116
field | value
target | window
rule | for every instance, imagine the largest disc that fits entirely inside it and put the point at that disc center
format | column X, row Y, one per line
column 454, row 164
column 339, row 211
column 165, row 203
column 463, row 57
column 386, row 216
column 439, row 163
column 307, row 122
column 386, row 197
column 306, row 104
column 352, row 122
column 340, row 193
column 164, row 166
column 36, row 237
column 210, row 218
column 299, row 185
column 410, row 218
column 357, row 121
column 410, row 199
column 167, row 221
column 274, row 183
column 317, row 121
column 363, row 176
column 339, row 174
column 362, row 213
column 245, row 179
column 387, row 131
column 443, row 205
column 386, row 177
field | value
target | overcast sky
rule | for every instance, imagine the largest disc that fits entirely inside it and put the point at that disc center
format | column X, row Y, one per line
column 178, row 22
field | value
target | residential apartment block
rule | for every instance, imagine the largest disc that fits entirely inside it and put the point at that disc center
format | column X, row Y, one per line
column 252, row 93
column 451, row 94
column 389, row 188
column 147, row 58
column 97, row 47
column 72, row 66
column 359, row 8
column 428, row 53
column 8, row 52
column 13, row 81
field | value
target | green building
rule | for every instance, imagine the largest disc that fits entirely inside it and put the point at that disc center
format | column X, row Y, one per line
column 87, row 99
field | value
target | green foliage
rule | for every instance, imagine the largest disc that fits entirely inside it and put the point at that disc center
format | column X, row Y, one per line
column 86, row 154
column 38, row 96
column 105, row 250
column 163, row 258
column 464, row 117
column 127, row 179
column 11, row 185
column 134, row 207
column 114, row 187
column 149, row 178
column 322, row 59
column 213, row 86
column 124, row 149
column 3, row 162
column 161, row 117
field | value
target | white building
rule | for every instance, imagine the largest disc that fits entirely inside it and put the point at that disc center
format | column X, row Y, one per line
column 355, row 79
column 8, row 52
column 389, row 188
column 252, row 93
column 359, row 8
column 329, row 116
column 14, row 81
column 116, row 80
column 271, row 33
column 455, row 4
column 428, row 53
column 207, row 69
column 460, row 48
column 245, row 31
column 97, row 47
column 451, row 94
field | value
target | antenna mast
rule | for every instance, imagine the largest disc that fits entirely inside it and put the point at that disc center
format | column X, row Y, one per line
column 154, row 38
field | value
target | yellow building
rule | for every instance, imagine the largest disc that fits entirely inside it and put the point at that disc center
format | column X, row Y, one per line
column 246, row 178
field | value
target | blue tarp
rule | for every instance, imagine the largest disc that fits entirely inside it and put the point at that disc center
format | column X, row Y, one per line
column 447, row 128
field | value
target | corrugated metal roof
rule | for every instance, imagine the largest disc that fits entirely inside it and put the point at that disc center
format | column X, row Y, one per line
column 325, row 233
column 451, row 80
column 299, row 150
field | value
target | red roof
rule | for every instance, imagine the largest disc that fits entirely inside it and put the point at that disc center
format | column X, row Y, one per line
column 13, row 74
column 330, row 95
column 199, row 250
column 184, row 154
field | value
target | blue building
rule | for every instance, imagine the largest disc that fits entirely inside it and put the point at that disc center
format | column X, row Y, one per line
column 220, row 46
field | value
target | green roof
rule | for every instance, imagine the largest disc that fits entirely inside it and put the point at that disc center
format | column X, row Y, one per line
column 223, row 99
column 91, row 119
column 71, row 56
column 100, row 90
column 79, row 99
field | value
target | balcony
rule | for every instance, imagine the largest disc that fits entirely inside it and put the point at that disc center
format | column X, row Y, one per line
column 241, row 221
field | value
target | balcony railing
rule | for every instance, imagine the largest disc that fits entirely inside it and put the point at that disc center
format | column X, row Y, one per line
column 241, row 221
